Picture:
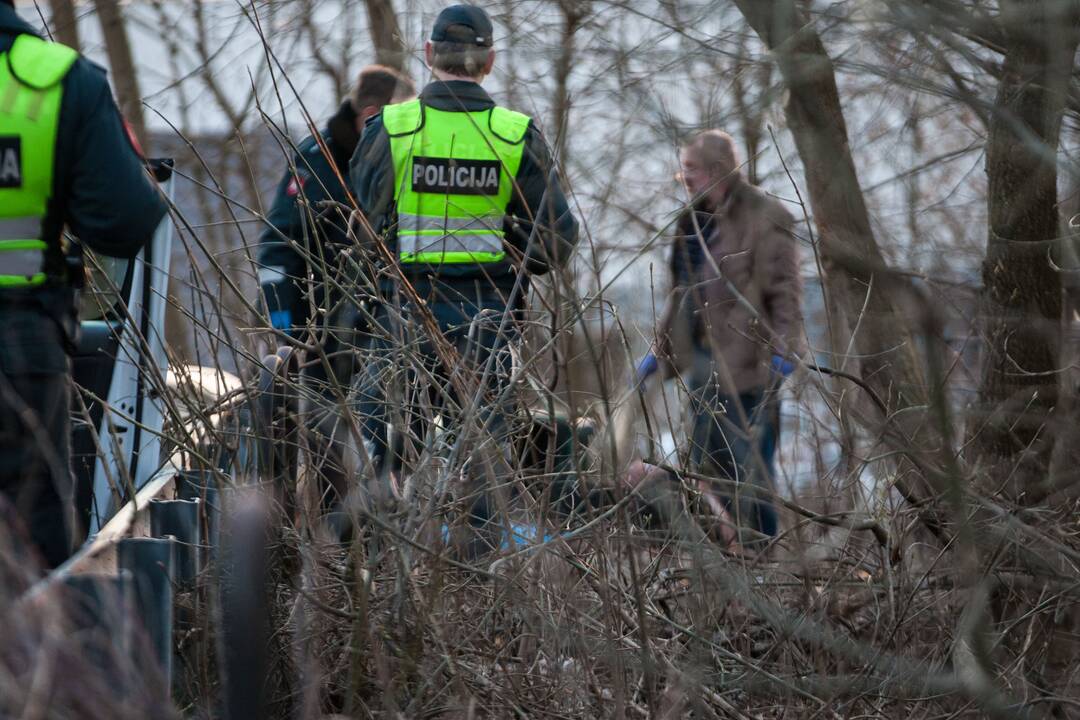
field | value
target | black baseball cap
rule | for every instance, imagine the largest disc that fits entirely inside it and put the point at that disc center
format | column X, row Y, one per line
column 465, row 24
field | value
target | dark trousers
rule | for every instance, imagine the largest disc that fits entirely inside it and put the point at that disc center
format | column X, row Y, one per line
column 323, row 397
column 35, row 459
column 324, row 389
column 734, row 437
column 404, row 382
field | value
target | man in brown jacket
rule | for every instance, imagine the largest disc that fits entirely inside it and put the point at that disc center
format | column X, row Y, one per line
column 732, row 325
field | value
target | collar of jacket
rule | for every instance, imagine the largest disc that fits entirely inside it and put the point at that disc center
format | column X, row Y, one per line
column 728, row 206
column 732, row 199
column 11, row 23
column 456, row 96
column 342, row 131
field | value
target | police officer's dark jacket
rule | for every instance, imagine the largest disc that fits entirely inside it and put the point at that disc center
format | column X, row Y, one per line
column 536, row 195
column 101, row 192
column 308, row 219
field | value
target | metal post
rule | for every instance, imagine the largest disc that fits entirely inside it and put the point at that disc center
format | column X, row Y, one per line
column 190, row 484
column 152, row 564
column 205, row 486
column 243, row 618
column 179, row 518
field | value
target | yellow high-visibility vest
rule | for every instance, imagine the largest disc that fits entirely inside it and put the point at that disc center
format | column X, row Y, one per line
column 31, row 90
column 453, row 180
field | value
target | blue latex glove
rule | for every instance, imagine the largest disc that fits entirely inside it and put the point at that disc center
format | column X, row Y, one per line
column 281, row 320
column 782, row 365
column 648, row 365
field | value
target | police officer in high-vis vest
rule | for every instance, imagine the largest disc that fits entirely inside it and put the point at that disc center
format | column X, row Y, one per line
column 463, row 194
column 65, row 160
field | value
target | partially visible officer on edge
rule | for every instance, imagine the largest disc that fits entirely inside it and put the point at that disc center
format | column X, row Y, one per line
column 65, row 159
column 454, row 183
column 308, row 228
column 733, row 323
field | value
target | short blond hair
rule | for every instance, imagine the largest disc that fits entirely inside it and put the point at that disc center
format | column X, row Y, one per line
column 716, row 149
column 460, row 59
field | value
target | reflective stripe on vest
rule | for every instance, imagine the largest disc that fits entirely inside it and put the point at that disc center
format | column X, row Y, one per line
column 21, row 262
column 30, row 96
column 453, row 181
column 19, row 228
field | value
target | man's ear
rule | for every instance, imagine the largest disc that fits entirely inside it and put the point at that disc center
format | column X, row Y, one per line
column 429, row 53
column 490, row 62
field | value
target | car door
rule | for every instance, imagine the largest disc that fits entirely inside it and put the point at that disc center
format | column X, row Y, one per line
column 119, row 370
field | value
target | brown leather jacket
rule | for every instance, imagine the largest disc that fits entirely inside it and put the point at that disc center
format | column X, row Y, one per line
column 736, row 292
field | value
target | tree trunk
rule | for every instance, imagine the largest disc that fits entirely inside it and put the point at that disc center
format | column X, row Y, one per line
column 751, row 111
column 875, row 304
column 1022, row 291
column 856, row 275
column 573, row 12
column 121, row 65
column 386, row 33
column 65, row 23
column 1066, row 453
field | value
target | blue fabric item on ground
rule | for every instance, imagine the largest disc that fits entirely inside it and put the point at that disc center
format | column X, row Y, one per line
column 521, row 536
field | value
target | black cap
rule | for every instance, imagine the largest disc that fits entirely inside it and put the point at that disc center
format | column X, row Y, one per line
column 465, row 24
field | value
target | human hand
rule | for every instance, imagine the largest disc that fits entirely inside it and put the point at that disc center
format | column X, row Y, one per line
column 782, row 365
column 281, row 320
column 648, row 365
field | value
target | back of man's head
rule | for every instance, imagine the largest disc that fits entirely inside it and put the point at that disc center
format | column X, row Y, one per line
column 716, row 151
column 380, row 85
column 461, row 42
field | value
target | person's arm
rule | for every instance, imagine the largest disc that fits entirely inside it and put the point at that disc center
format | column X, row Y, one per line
column 112, row 204
column 281, row 267
column 539, row 198
column 372, row 172
column 674, row 331
column 305, row 229
column 782, row 294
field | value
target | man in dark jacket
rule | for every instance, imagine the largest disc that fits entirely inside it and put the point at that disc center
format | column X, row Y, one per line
column 65, row 160
column 465, row 206
column 301, row 270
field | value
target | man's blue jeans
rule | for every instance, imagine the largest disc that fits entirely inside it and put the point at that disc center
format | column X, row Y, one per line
column 734, row 437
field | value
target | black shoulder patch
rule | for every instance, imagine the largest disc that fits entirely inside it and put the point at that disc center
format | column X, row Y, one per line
column 10, row 161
